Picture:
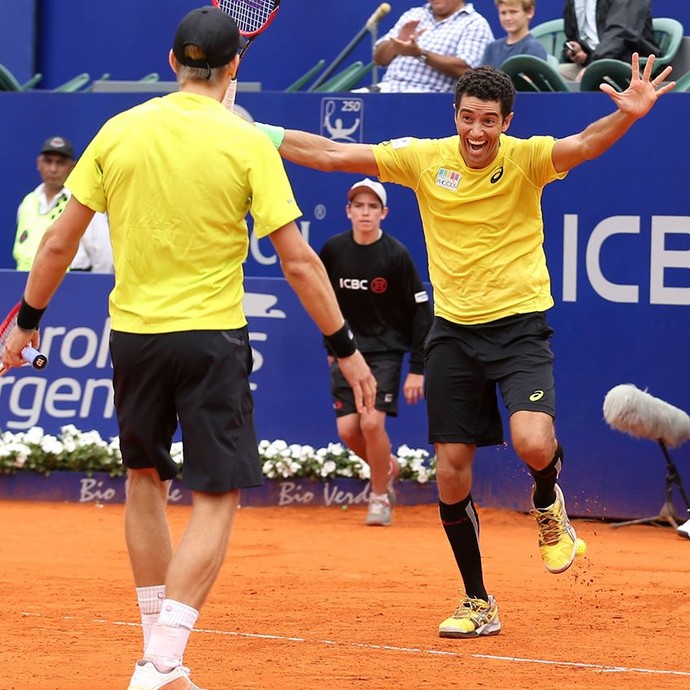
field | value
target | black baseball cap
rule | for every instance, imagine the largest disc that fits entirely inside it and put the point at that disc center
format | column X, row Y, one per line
column 58, row 145
column 211, row 30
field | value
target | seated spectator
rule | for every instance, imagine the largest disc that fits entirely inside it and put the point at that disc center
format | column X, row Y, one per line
column 431, row 46
column 515, row 16
column 597, row 29
column 44, row 204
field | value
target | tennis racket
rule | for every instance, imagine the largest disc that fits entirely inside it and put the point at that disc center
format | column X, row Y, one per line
column 31, row 356
column 252, row 17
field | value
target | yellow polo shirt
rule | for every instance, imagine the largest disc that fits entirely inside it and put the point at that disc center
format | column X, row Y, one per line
column 177, row 176
column 483, row 228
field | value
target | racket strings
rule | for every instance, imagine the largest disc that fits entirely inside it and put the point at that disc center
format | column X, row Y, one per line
column 249, row 15
column 5, row 327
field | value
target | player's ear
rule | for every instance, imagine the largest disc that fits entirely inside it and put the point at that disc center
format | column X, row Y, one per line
column 384, row 213
column 506, row 123
column 172, row 62
column 234, row 66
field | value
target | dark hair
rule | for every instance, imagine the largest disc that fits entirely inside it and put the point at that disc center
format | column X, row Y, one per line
column 487, row 84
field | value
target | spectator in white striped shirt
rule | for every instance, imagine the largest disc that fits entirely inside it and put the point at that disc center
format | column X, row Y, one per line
column 431, row 46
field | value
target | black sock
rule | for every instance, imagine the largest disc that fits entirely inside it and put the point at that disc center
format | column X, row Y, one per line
column 461, row 523
column 545, row 480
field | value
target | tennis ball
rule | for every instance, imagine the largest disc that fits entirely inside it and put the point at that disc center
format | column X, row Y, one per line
column 580, row 547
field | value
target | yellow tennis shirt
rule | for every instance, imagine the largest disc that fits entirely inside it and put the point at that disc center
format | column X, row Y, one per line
column 483, row 228
column 177, row 176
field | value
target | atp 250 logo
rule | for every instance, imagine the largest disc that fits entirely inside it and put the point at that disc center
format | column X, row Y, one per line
column 342, row 119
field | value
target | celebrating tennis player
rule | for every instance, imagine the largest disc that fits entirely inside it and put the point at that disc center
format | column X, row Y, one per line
column 479, row 196
column 177, row 176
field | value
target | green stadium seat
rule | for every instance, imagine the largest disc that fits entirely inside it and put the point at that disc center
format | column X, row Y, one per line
column 669, row 36
column 530, row 73
column 302, row 81
column 8, row 82
column 552, row 37
column 615, row 73
column 74, row 84
column 340, row 81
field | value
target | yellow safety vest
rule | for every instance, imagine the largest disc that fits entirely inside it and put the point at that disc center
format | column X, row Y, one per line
column 31, row 226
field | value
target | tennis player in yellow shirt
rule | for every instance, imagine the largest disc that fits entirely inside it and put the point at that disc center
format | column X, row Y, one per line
column 479, row 195
column 178, row 176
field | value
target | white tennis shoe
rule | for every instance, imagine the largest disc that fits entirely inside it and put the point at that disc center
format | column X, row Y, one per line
column 147, row 677
column 684, row 530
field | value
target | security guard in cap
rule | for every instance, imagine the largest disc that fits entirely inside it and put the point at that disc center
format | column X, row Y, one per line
column 44, row 204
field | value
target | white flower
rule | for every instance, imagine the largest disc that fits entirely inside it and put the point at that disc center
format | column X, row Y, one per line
column 328, row 468
column 50, row 444
column 19, row 450
column 33, row 435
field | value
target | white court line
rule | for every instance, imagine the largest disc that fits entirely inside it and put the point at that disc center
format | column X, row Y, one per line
column 404, row 650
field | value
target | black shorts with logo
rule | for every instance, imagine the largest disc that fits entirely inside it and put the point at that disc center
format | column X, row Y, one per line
column 386, row 369
column 464, row 364
column 200, row 378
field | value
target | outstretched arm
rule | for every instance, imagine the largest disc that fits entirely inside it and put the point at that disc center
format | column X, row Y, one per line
column 633, row 103
column 313, row 151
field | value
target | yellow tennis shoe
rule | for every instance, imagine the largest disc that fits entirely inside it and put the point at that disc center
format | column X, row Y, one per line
column 473, row 618
column 557, row 538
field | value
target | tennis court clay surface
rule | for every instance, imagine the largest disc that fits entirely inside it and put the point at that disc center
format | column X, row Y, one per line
column 311, row 599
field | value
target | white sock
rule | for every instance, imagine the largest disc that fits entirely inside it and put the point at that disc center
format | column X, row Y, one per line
column 150, row 601
column 170, row 634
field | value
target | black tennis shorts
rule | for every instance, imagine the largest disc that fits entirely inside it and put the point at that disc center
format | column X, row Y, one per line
column 385, row 369
column 200, row 378
column 464, row 364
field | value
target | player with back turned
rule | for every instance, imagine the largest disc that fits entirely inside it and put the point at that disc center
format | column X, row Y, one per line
column 479, row 195
column 178, row 175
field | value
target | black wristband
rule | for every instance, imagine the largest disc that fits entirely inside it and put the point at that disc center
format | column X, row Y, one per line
column 342, row 343
column 28, row 317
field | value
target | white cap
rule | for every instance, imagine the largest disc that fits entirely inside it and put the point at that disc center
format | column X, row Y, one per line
column 372, row 186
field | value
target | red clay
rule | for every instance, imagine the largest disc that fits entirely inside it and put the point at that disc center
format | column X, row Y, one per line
column 310, row 599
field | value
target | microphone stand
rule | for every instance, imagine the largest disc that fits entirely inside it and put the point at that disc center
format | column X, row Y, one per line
column 667, row 514
column 375, row 69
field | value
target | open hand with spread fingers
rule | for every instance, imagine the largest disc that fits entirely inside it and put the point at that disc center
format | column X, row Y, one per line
column 637, row 100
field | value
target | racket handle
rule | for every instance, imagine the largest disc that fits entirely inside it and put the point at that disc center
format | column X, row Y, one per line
column 229, row 98
column 34, row 357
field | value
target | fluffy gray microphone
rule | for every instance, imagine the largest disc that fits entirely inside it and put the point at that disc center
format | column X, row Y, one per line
column 639, row 414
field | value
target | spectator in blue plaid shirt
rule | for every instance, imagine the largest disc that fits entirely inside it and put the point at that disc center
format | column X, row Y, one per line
column 431, row 46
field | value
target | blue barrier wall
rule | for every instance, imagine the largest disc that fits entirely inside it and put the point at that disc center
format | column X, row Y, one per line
column 129, row 38
column 617, row 238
